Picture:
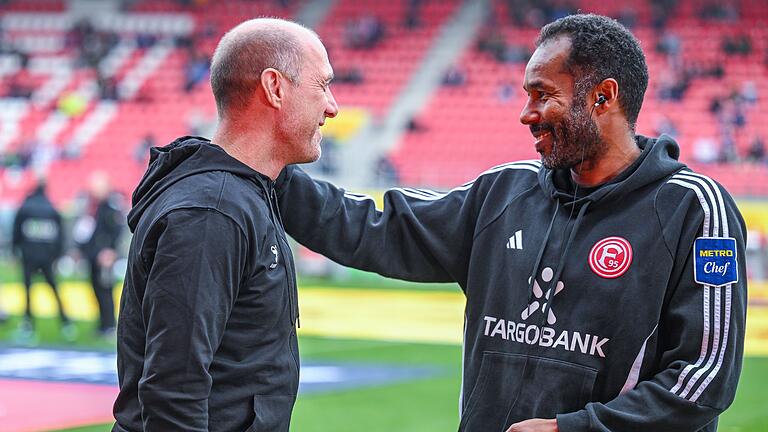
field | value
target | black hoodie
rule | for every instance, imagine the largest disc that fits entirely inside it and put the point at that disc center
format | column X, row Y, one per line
column 586, row 309
column 37, row 232
column 206, row 334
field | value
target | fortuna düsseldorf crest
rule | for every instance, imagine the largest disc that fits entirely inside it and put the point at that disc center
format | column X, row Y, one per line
column 610, row 257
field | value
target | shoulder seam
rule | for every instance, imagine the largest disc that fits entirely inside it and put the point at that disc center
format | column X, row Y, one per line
column 206, row 208
column 431, row 195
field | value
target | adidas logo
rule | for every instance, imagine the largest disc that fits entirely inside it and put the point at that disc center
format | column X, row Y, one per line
column 516, row 241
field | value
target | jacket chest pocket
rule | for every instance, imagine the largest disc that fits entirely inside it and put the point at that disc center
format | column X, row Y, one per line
column 513, row 387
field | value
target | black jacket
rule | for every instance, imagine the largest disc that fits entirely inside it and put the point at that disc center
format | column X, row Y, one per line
column 107, row 225
column 206, row 334
column 602, row 311
column 37, row 231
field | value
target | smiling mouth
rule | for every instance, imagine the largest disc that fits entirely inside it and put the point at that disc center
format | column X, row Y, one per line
column 541, row 137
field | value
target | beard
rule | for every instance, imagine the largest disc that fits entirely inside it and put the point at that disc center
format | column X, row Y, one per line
column 575, row 139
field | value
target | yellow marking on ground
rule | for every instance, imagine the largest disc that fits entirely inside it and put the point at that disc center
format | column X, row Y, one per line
column 394, row 315
column 413, row 316
column 758, row 291
column 756, row 342
column 78, row 298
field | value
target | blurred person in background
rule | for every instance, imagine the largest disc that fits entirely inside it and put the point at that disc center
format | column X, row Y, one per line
column 207, row 327
column 605, row 284
column 38, row 240
column 96, row 233
column 756, row 150
column 141, row 150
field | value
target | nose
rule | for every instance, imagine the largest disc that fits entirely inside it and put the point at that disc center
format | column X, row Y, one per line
column 529, row 115
column 331, row 108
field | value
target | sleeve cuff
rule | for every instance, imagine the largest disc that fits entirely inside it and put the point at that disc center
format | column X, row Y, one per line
column 573, row 422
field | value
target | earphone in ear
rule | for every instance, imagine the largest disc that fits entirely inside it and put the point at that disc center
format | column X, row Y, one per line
column 601, row 100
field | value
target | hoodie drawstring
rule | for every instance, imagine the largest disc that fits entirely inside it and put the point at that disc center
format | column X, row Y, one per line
column 532, row 279
column 561, row 263
column 548, row 298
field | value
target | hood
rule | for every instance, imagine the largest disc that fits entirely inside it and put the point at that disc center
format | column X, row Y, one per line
column 182, row 158
column 657, row 160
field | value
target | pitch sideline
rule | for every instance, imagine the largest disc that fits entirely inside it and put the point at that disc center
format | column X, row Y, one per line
column 376, row 314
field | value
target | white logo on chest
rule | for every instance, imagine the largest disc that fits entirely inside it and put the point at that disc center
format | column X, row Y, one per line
column 273, row 248
column 546, row 276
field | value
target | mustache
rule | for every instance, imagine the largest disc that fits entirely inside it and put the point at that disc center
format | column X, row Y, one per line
column 541, row 127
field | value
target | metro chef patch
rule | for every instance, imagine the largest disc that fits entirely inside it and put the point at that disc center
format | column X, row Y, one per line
column 714, row 261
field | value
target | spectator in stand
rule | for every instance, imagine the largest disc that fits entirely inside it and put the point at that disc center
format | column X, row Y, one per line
column 92, row 45
column 415, row 125
column 43, row 153
column 328, row 164
column 749, row 92
column 386, row 172
column 673, row 85
column 196, row 69
column 756, row 151
column 142, row 150
column 145, row 40
column 20, row 85
column 717, row 10
column 737, row 45
column 716, row 106
column 670, row 45
column 351, row 75
column 628, row 17
column 728, row 153
column 665, row 125
column 97, row 232
column 108, row 89
column 494, row 43
column 413, row 14
column 38, row 240
column 454, row 77
column 75, row 37
column 365, row 32
column 516, row 11
column 705, row 150
column 506, row 92
column 561, row 9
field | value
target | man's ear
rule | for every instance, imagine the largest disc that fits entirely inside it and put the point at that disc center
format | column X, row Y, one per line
column 272, row 82
column 609, row 89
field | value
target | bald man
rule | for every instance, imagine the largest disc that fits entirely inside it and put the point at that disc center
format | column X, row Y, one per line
column 206, row 334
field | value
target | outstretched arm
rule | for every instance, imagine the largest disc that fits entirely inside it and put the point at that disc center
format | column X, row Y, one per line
column 419, row 235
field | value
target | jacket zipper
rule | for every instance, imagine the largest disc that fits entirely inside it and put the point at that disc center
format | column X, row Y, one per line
column 282, row 244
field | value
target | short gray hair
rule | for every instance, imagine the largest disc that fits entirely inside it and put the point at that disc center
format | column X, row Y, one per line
column 244, row 53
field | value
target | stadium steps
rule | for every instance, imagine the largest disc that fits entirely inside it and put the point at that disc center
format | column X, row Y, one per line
column 359, row 157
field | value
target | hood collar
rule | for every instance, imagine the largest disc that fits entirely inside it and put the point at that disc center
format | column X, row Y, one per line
column 658, row 159
column 182, row 158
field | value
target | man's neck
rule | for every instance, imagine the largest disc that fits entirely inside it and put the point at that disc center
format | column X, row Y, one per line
column 619, row 155
column 249, row 146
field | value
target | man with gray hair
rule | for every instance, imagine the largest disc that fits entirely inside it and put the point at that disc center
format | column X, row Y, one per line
column 206, row 334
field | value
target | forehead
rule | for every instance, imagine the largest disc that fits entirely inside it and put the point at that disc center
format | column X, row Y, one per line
column 547, row 64
column 316, row 57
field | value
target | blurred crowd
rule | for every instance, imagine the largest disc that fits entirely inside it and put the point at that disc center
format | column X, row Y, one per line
column 729, row 110
column 88, row 50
